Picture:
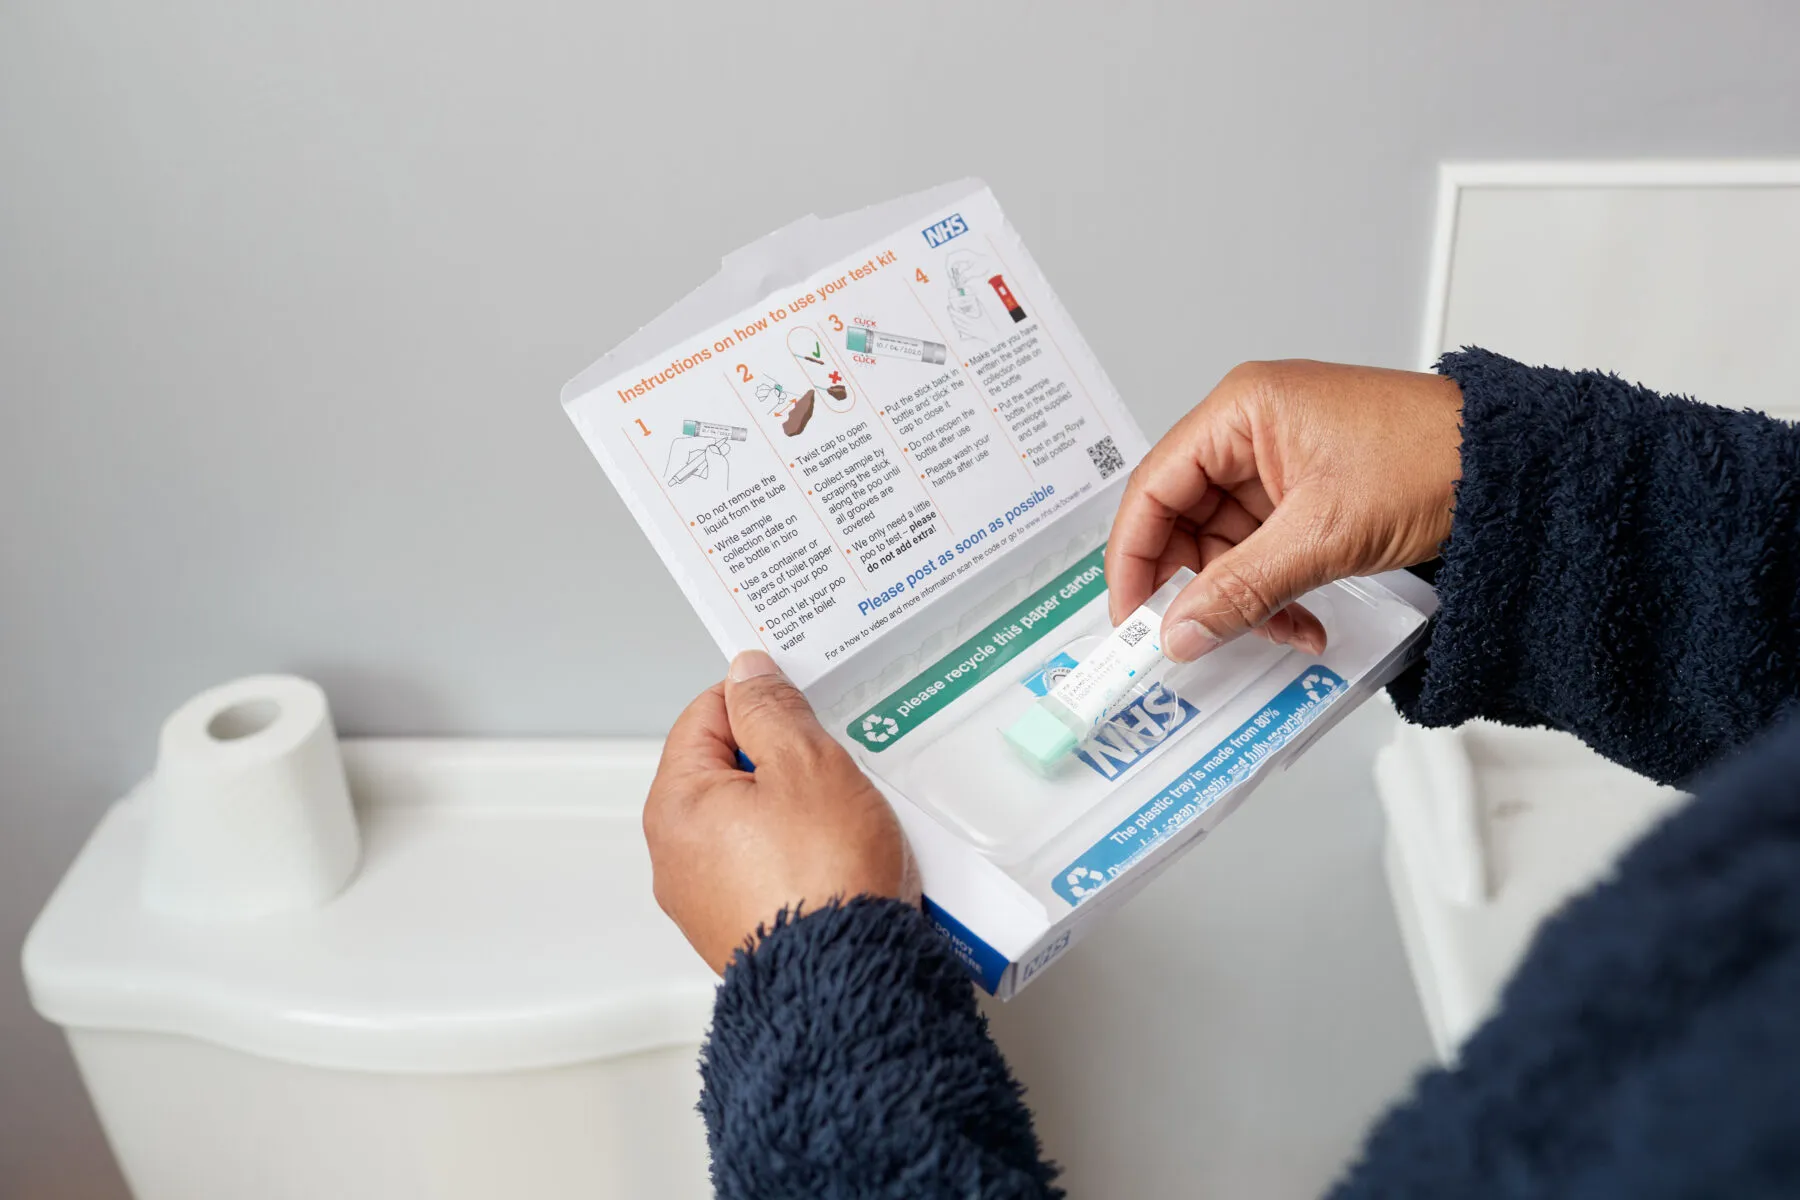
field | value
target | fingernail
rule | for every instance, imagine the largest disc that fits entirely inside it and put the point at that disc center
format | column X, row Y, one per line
column 750, row 664
column 1188, row 640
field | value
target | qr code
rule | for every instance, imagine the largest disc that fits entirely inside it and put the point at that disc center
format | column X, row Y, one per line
column 1106, row 457
column 1133, row 633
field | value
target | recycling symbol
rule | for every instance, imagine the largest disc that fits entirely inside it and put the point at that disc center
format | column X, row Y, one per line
column 1312, row 684
column 1078, row 881
column 877, row 729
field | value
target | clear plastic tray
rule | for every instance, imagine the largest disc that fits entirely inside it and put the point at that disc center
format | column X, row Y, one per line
column 959, row 767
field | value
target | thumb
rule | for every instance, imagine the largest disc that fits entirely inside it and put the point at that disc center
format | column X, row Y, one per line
column 770, row 719
column 1247, row 584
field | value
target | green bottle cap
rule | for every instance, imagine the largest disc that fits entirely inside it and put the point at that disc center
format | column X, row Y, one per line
column 688, row 427
column 1041, row 738
column 856, row 340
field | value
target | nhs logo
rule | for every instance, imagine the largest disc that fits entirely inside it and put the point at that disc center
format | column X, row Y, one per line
column 1129, row 735
column 951, row 226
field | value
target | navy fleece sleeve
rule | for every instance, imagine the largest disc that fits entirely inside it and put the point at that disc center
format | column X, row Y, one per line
column 847, row 1060
column 1647, row 1045
column 1623, row 565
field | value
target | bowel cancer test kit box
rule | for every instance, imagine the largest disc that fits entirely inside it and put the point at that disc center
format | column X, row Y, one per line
column 876, row 447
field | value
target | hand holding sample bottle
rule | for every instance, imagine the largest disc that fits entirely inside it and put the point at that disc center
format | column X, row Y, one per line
column 1288, row 476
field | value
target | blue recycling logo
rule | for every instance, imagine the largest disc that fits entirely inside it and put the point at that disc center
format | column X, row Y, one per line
column 1083, row 881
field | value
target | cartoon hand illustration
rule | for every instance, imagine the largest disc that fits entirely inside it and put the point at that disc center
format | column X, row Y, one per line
column 700, row 466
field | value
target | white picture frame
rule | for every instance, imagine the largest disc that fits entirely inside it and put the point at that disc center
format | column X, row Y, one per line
column 1454, row 178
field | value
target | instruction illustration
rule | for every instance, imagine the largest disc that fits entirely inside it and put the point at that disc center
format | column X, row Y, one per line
column 875, row 343
column 975, row 284
column 702, row 454
column 862, row 440
column 969, row 318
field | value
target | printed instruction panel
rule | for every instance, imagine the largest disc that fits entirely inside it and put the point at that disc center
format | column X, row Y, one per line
column 820, row 466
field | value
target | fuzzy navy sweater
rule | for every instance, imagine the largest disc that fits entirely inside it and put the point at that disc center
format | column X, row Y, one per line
column 1623, row 565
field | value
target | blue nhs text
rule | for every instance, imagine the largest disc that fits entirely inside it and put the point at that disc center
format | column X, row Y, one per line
column 1127, row 738
column 951, row 226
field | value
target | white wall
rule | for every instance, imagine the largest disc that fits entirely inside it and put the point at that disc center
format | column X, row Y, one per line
column 287, row 291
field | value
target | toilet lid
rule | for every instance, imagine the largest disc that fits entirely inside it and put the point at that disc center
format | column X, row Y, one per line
column 501, row 919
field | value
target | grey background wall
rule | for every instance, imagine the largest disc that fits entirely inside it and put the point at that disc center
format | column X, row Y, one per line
column 286, row 295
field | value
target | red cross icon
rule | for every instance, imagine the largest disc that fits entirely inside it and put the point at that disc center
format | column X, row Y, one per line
column 836, row 378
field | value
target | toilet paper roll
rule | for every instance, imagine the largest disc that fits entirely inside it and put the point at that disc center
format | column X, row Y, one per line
column 249, row 811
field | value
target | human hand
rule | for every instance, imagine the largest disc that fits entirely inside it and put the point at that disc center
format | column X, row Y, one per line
column 729, row 848
column 1288, row 476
